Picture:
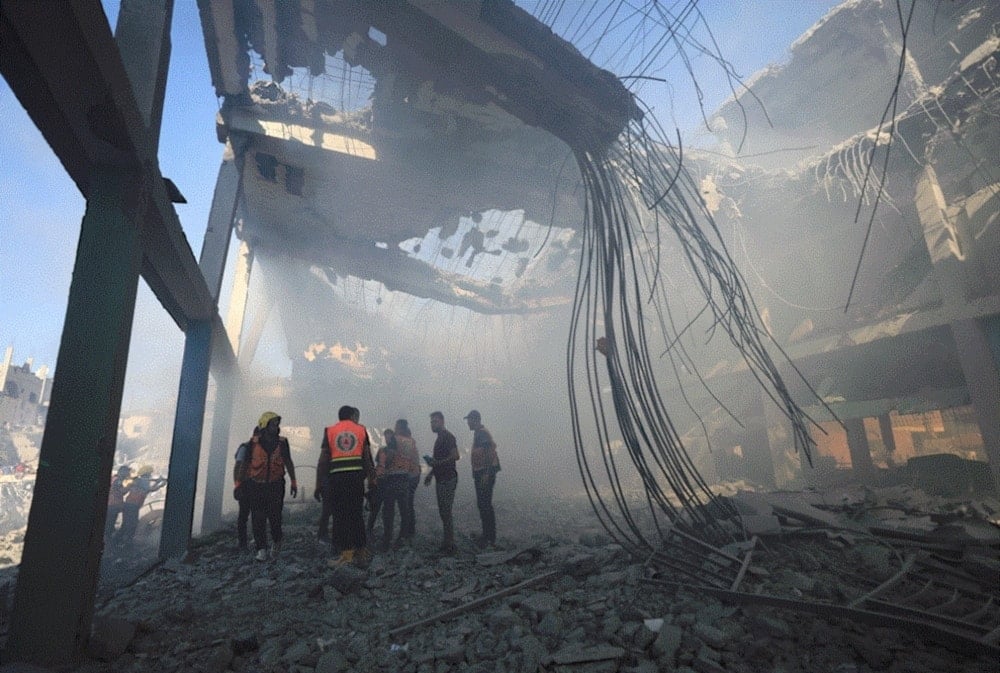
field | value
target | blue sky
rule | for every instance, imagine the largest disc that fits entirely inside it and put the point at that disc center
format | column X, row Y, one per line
column 41, row 209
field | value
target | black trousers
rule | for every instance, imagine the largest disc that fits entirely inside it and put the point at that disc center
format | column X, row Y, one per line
column 111, row 521
column 324, row 518
column 266, row 503
column 241, row 519
column 485, row 481
column 345, row 491
column 130, row 521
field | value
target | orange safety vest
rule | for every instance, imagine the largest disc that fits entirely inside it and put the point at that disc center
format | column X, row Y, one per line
column 265, row 467
column 137, row 492
column 405, row 458
column 346, row 440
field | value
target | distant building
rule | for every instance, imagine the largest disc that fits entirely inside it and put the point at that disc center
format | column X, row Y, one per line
column 24, row 394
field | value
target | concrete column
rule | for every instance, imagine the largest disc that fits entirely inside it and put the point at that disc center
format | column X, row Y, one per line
column 214, row 251
column 238, row 297
column 218, row 233
column 755, row 443
column 216, row 481
column 982, row 377
column 54, row 599
column 888, row 439
column 178, row 513
column 975, row 339
column 857, row 444
column 143, row 38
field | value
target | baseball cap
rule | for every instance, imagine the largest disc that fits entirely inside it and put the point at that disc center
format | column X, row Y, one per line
column 472, row 414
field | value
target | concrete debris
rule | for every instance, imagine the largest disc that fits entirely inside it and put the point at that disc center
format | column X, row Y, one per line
column 413, row 611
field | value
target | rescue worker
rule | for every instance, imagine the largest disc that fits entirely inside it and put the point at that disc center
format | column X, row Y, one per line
column 116, row 501
column 345, row 461
column 242, row 464
column 409, row 445
column 445, row 477
column 270, row 456
column 135, row 495
column 485, row 465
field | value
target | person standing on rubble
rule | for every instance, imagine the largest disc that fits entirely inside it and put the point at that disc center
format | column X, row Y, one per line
column 409, row 445
column 240, row 491
column 395, row 470
column 135, row 495
column 485, row 465
column 270, row 456
column 116, row 501
column 345, row 461
column 445, row 476
column 374, row 495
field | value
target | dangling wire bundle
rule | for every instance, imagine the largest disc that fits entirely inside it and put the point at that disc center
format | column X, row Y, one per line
column 638, row 194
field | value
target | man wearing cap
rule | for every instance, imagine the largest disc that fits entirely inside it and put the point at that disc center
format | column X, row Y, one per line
column 269, row 456
column 485, row 465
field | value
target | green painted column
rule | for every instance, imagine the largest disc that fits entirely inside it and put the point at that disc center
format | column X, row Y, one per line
column 54, row 598
column 185, row 448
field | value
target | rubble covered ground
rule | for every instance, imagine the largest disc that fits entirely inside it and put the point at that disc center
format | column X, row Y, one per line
column 568, row 598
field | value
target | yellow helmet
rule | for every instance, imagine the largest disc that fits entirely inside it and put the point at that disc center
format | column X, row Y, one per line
column 266, row 418
column 145, row 471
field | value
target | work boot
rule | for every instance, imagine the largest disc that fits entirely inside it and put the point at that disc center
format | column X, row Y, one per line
column 346, row 557
column 275, row 548
column 261, row 555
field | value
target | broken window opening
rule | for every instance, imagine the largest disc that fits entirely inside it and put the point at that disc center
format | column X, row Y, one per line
column 267, row 166
column 295, row 179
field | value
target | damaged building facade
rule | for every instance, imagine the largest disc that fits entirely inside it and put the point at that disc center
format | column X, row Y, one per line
column 24, row 392
column 457, row 172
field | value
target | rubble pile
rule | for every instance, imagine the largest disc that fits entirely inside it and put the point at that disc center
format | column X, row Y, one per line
column 557, row 595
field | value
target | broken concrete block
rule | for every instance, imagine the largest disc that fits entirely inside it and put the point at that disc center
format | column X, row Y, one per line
column 709, row 635
column 110, row 637
column 576, row 654
column 667, row 642
column 332, row 662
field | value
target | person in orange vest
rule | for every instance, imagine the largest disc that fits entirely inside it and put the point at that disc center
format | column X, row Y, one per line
column 345, row 461
column 396, row 470
column 116, row 500
column 269, row 456
column 135, row 495
column 485, row 465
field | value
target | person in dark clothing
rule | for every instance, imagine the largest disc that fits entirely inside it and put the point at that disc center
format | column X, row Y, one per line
column 375, row 497
column 345, row 461
column 485, row 465
column 242, row 462
column 270, row 456
column 116, row 502
column 445, row 475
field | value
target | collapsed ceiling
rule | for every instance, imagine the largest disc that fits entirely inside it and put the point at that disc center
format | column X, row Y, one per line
column 469, row 108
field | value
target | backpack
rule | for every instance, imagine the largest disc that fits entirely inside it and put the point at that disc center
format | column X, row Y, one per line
column 245, row 447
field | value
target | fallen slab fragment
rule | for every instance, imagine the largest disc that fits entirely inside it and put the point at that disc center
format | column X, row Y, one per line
column 472, row 605
column 581, row 654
